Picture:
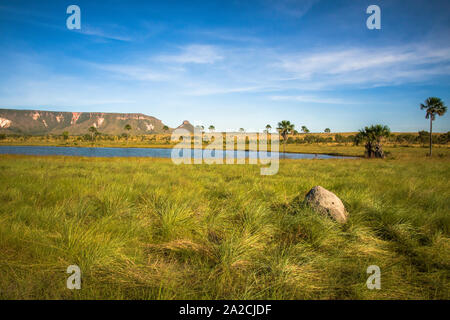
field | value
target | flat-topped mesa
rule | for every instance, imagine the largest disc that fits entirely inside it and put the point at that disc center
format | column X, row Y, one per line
column 76, row 123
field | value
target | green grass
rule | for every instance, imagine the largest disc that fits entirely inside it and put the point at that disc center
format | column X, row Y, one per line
column 148, row 229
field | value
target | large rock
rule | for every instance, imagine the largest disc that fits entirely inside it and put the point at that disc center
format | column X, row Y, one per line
column 326, row 202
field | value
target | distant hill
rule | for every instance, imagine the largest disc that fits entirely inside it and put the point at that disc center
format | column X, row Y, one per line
column 186, row 125
column 35, row 122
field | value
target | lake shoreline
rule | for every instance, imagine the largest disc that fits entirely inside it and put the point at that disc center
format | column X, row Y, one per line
column 334, row 154
column 151, row 152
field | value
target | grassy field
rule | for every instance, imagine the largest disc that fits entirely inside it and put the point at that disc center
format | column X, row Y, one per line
column 147, row 229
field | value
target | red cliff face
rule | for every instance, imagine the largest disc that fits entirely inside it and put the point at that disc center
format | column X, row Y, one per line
column 75, row 116
column 5, row 123
column 49, row 122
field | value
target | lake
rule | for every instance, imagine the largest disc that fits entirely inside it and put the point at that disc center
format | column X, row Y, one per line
column 137, row 152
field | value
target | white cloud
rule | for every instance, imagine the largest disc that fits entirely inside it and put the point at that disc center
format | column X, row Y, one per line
column 205, row 90
column 134, row 72
column 262, row 70
column 200, row 54
column 120, row 33
column 366, row 65
column 228, row 35
column 310, row 99
column 102, row 33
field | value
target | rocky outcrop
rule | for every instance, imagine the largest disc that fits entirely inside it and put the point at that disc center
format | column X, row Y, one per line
column 5, row 123
column 327, row 203
column 186, row 125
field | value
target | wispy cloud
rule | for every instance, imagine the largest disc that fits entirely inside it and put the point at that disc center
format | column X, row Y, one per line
column 292, row 8
column 199, row 54
column 268, row 70
column 106, row 33
column 227, row 35
column 111, row 32
column 228, row 70
column 205, row 89
column 366, row 66
column 142, row 32
column 133, row 72
column 310, row 99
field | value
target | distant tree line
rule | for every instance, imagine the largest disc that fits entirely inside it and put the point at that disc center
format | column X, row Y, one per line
column 422, row 137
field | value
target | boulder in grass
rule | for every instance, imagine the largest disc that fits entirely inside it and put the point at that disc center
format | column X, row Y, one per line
column 326, row 202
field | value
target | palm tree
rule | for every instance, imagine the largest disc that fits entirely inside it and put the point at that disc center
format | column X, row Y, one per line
column 305, row 129
column 165, row 128
column 241, row 130
column 268, row 128
column 372, row 137
column 211, row 128
column 128, row 128
column 434, row 106
column 94, row 132
column 327, row 130
column 285, row 127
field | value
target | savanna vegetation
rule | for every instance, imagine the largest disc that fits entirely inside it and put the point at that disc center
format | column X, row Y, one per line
column 147, row 229
column 292, row 142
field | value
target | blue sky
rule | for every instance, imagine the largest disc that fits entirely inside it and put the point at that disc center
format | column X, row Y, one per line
column 230, row 63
